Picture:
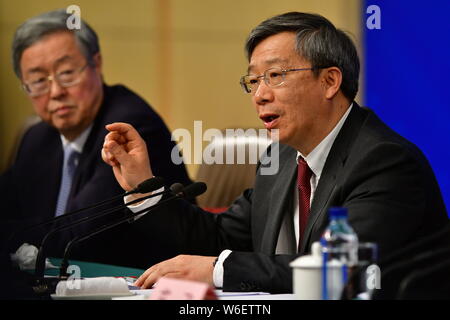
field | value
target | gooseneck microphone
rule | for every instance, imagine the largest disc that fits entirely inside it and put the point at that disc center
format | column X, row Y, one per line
column 146, row 186
column 189, row 192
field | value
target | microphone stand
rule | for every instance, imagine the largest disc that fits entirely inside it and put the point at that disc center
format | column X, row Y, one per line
column 190, row 191
column 41, row 285
column 65, row 263
column 147, row 184
column 40, row 259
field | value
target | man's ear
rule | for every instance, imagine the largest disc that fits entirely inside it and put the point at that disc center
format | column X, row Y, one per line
column 98, row 62
column 332, row 80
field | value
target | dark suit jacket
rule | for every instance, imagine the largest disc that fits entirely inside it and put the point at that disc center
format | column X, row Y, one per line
column 385, row 182
column 30, row 188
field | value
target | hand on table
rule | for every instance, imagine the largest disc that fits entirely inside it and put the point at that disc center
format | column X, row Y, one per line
column 196, row 268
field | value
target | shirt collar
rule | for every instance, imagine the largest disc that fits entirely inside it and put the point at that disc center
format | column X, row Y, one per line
column 317, row 157
column 79, row 142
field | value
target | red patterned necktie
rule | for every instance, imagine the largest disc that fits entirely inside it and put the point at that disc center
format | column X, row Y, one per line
column 304, row 174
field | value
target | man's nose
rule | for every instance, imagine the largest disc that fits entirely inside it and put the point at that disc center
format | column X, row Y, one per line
column 263, row 93
column 56, row 90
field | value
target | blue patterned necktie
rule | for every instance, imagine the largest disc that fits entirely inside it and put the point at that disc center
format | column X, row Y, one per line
column 70, row 163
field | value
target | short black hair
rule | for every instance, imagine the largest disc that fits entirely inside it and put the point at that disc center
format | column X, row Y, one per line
column 318, row 41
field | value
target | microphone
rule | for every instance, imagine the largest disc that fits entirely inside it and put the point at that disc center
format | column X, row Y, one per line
column 146, row 186
column 189, row 192
column 143, row 187
column 193, row 190
column 176, row 188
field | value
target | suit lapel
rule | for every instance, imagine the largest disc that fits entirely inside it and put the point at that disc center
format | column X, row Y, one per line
column 51, row 183
column 281, row 199
column 333, row 168
column 91, row 149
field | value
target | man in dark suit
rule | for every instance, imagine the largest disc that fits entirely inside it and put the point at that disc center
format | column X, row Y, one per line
column 61, row 71
column 303, row 78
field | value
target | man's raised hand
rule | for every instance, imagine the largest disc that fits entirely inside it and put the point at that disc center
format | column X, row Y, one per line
column 126, row 152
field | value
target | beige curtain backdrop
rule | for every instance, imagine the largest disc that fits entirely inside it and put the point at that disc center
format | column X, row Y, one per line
column 184, row 57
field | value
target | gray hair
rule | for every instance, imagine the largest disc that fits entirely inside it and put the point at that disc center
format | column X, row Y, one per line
column 47, row 23
column 318, row 41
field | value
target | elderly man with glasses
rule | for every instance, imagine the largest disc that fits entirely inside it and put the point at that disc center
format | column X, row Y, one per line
column 58, row 167
column 302, row 79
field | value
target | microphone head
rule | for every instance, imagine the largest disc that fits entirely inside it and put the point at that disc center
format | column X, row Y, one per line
column 194, row 189
column 149, row 185
column 176, row 188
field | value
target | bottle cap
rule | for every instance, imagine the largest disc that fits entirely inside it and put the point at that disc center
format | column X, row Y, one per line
column 338, row 212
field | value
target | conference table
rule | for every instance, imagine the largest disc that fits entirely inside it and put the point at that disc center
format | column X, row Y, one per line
column 92, row 270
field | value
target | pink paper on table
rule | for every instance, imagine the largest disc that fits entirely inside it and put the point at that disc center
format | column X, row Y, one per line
column 176, row 289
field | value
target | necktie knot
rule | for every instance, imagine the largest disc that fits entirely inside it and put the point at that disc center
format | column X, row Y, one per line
column 304, row 174
column 71, row 157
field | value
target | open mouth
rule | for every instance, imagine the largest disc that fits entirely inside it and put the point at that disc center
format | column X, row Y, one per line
column 269, row 120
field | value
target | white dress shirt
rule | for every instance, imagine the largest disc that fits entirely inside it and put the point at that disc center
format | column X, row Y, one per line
column 79, row 142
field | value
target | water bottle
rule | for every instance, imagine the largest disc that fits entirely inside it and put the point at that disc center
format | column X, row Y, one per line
column 339, row 252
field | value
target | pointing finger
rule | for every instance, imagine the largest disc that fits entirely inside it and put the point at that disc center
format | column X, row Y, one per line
column 124, row 129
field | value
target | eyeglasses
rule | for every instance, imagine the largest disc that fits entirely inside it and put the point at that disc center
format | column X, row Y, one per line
column 41, row 85
column 273, row 77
